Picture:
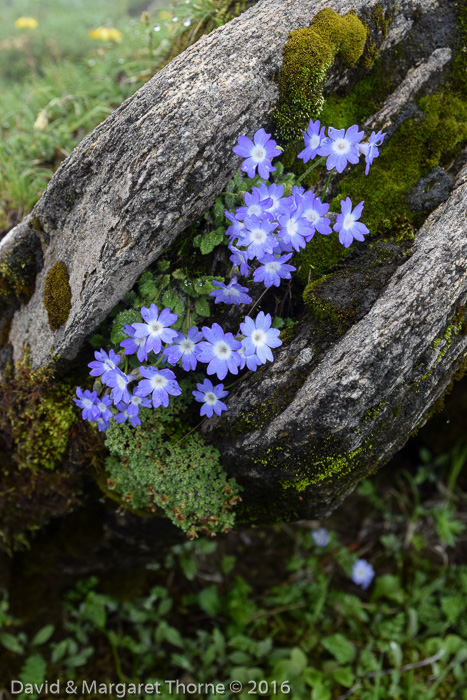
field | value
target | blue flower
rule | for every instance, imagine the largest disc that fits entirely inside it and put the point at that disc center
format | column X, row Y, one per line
column 87, row 401
column 347, row 225
column 156, row 329
column 314, row 137
column 219, row 351
column 256, row 205
column 341, row 147
column 250, row 361
column 160, row 383
column 370, row 150
column 239, row 259
column 236, row 229
column 273, row 269
column 231, row 293
column 294, row 228
column 103, row 407
column 260, row 337
column 258, row 237
column 362, row 573
column 119, row 381
column 315, row 212
column 274, row 192
column 211, row 397
column 321, row 537
column 102, row 424
column 185, row 348
column 125, row 414
column 257, row 154
column 103, row 364
column 133, row 344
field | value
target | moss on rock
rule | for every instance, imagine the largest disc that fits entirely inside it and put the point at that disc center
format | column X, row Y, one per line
column 57, row 295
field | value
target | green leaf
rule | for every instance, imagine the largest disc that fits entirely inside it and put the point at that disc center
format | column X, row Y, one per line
column 211, row 240
column 43, row 635
column 98, row 341
column 81, row 658
column 298, row 659
column 169, row 299
column 279, row 170
column 34, row 670
column 125, row 317
column 209, row 601
column 173, row 636
column 227, row 563
column 239, row 658
column 340, row 647
column 202, row 307
column 179, row 274
column 453, row 606
column 11, row 642
column 162, row 265
column 344, row 675
column 230, row 186
column 59, row 650
column 218, row 211
column 388, row 586
column 320, row 692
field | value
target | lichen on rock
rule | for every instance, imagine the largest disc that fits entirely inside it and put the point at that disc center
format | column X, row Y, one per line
column 57, row 295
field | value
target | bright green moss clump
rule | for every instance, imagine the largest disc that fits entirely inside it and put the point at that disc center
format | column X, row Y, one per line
column 154, row 466
column 57, row 295
column 308, row 55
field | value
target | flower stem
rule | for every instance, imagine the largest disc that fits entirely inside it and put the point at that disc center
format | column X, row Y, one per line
column 312, row 167
column 326, row 185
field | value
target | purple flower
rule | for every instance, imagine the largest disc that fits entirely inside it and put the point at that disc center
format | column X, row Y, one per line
column 210, row 396
column 231, row 293
column 362, row 573
column 160, row 383
column 87, row 401
column 251, row 361
column 341, row 147
column 156, row 329
column 314, row 137
column 119, row 381
column 219, row 351
column 125, row 414
column 239, row 259
column 258, row 237
column 256, row 205
column 347, row 225
column 103, row 364
column 321, row 537
column 102, row 424
column 260, row 337
column 294, row 228
column 370, row 149
column 103, row 407
column 257, row 154
column 236, row 229
column 274, row 192
column 315, row 212
column 273, row 269
column 185, row 348
column 133, row 344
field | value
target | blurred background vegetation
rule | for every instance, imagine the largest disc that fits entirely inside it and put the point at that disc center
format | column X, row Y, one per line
column 260, row 604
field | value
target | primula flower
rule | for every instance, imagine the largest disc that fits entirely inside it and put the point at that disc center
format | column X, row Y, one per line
column 219, row 350
column 239, row 259
column 211, row 397
column 362, row 573
column 321, row 537
column 370, row 149
column 314, row 137
column 347, row 225
column 236, row 228
column 87, row 401
column 103, row 364
column 103, row 407
column 258, row 237
column 274, row 192
column 294, row 228
column 255, row 205
column 257, row 154
column 102, row 424
column 341, row 147
column 119, row 381
column 251, row 361
column 260, row 337
column 125, row 415
column 231, row 293
column 273, row 269
column 314, row 210
column 185, row 348
column 158, row 382
column 156, row 329
column 134, row 345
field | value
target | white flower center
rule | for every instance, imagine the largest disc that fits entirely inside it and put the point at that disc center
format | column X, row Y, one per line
column 312, row 215
column 121, row 382
column 222, row 350
column 258, row 235
column 258, row 337
column 187, row 346
column 87, row 403
column 159, row 381
column 314, row 141
column 109, row 365
column 136, row 400
column 156, row 327
column 272, row 266
column 101, row 406
column 349, row 220
column 292, row 227
column 258, row 154
column 210, row 398
column 254, row 210
column 341, row 146
column 139, row 341
column 232, row 292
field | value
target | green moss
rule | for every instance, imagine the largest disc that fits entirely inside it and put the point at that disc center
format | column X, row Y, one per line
column 326, row 312
column 57, row 295
column 319, row 257
column 18, row 270
column 308, row 55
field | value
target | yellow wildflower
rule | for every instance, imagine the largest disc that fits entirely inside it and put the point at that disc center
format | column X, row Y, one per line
column 106, row 34
column 26, row 23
